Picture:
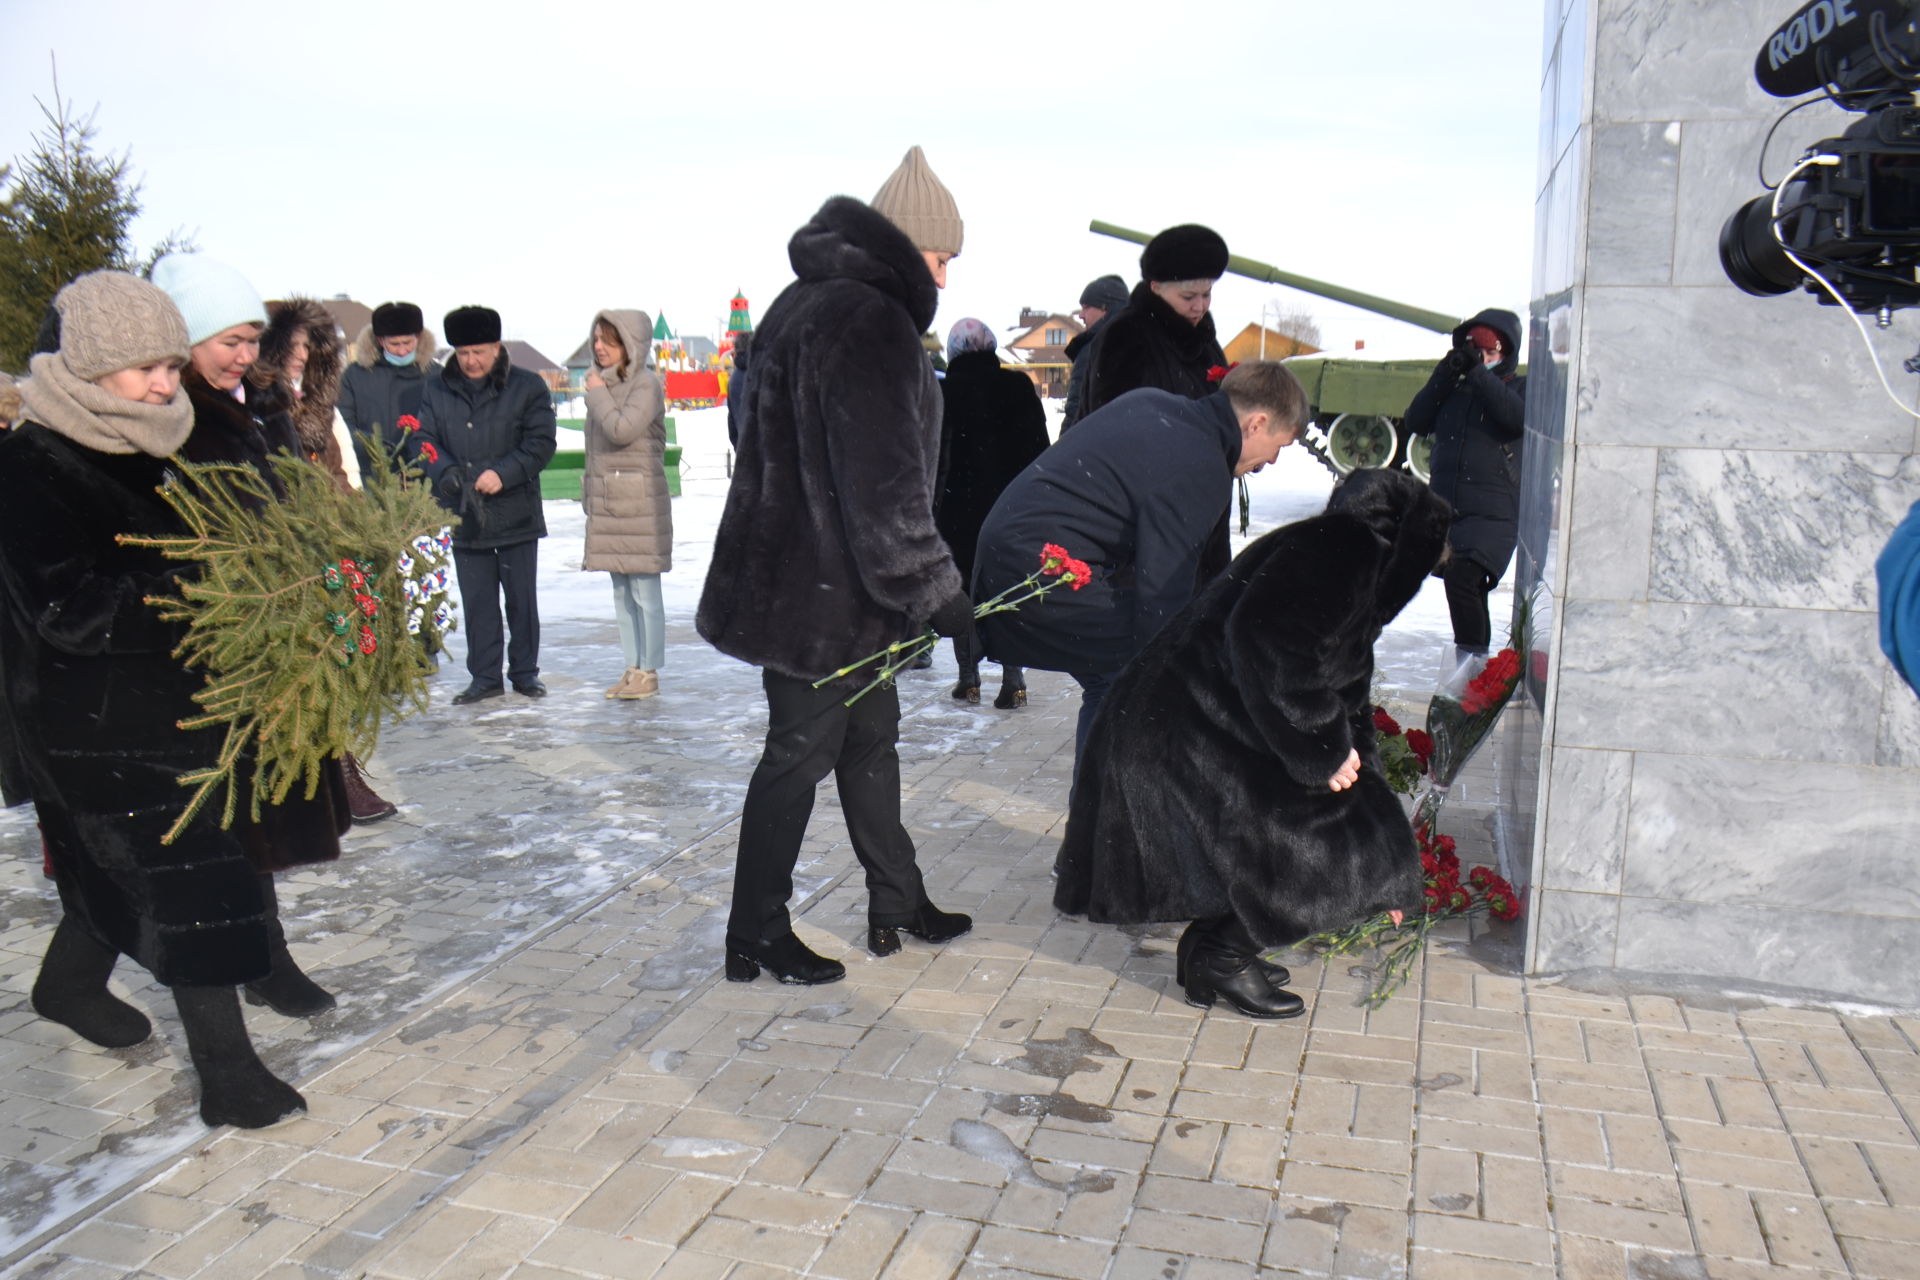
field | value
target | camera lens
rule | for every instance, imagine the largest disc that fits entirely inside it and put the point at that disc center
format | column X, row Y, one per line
column 1750, row 255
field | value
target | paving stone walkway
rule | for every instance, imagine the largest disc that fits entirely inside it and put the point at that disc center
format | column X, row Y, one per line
column 537, row 1072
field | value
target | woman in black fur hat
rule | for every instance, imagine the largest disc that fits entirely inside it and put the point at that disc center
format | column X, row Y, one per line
column 1231, row 777
column 1164, row 336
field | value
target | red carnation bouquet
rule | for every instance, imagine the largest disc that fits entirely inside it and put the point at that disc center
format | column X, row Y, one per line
column 1461, row 716
column 1446, row 896
column 1057, row 568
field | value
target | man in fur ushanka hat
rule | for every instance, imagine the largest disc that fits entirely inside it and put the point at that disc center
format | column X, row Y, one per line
column 827, row 552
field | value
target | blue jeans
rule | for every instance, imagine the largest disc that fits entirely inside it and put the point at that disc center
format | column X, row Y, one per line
column 642, row 615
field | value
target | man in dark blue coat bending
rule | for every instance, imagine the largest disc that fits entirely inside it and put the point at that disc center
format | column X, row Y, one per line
column 1134, row 490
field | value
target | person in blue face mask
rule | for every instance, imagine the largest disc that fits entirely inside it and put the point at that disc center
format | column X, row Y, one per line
column 384, row 382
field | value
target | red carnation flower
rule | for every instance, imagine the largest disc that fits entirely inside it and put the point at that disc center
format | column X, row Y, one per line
column 1385, row 723
column 1053, row 559
column 428, row 452
column 367, row 642
column 1216, row 373
column 1503, row 906
column 408, row 422
column 368, row 605
column 1078, row 573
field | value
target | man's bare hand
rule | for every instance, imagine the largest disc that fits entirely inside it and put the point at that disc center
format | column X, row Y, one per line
column 1348, row 774
column 489, row 483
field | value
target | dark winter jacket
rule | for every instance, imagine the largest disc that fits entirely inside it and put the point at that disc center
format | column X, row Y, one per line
column 993, row 425
column 96, row 695
column 1475, row 420
column 1079, row 352
column 500, row 422
column 827, row 550
column 1202, row 790
column 375, row 395
column 1135, row 491
column 1149, row 344
column 298, row 830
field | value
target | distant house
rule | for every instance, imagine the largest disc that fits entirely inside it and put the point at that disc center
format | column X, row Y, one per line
column 1042, row 346
column 524, row 356
column 1247, row 345
column 349, row 317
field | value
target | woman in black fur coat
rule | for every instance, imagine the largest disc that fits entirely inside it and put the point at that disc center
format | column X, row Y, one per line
column 1231, row 777
column 225, row 319
column 1164, row 337
column 97, row 697
column 992, row 427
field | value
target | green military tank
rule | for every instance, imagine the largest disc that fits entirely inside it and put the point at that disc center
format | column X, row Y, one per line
column 1358, row 405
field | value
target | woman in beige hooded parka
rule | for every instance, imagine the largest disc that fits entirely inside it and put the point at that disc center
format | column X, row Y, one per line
column 629, row 516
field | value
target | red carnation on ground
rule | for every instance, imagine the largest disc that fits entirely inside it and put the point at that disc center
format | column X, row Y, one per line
column 1385, row 723
column 408, row 422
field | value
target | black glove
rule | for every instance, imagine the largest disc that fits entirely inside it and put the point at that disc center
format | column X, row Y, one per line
column 954, row 616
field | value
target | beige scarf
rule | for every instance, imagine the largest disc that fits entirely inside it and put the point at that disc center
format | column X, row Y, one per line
column 95, row 417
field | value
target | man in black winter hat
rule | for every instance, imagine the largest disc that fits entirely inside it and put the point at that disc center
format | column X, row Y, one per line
column 383, row 380
column 486, row 433
column 1098, row 301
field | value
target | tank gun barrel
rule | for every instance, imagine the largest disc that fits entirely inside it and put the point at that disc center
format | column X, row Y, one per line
column 1438, row 322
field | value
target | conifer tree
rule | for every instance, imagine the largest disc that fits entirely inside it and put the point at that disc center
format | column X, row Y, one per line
column 66, row 210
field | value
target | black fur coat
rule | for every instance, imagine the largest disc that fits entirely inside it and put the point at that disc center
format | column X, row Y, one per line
column 95, row 695
column 298, row 830
column 993, row 426
column 1203, row 792
column 827, row 550
column 1149, row 344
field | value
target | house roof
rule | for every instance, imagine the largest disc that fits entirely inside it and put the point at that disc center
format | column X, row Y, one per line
column 526, row 356
column 1245, row 345
column 351, row 316
column 1053, row 320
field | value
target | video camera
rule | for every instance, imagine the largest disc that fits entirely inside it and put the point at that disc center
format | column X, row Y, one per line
column 1850, row 210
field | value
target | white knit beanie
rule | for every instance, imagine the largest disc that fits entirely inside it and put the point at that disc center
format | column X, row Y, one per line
column 212, row 296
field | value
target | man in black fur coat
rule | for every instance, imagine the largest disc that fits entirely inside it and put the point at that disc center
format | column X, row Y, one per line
column 1136, row 491
column 1232, row 778
column 827, row 552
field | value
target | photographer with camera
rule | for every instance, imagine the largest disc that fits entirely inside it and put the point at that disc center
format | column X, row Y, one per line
column 1472, row 406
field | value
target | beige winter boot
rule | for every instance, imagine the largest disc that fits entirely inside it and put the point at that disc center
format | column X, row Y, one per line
column 644, row 684
column 624, row 683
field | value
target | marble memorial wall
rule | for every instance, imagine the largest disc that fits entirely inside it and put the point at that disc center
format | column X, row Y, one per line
column 1713, row 771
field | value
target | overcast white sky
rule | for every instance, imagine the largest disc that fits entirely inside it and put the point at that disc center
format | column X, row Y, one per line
column 552, row 159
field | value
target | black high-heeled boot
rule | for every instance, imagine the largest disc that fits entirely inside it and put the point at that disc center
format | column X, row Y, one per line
column 235, row 1086
column 1218, row 970
column 1277, row 975
column 787, row 959
column 929, row 924
column 286, row 990
column 72, row 990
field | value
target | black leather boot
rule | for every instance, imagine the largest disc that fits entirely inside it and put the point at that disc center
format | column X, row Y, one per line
column 285, row 990
column 235, row 1086
column 1277, row 975
column 787, row 959
column 1215, row 970
column 72, row 990
column 929, row 924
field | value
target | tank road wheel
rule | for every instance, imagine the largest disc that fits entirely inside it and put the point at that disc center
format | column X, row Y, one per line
column 1420, row 458
column 1313, row 438
column 1359, row 440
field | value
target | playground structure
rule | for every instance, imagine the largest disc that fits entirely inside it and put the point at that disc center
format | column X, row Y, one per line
column 1359, row 407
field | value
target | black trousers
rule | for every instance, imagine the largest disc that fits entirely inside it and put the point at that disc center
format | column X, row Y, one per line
column 484, row 576
column 1468, row 586
column 810, row 733
column 968, row 653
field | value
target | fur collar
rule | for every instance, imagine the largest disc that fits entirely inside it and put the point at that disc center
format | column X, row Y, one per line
column 366, row 349
column 320, row 383
column 846, row 240
column 1190, row 341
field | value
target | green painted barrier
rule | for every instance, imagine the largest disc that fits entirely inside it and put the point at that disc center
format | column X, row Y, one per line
column 562, row 477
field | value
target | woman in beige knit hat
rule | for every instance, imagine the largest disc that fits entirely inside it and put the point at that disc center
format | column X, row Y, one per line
column 97, row 696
